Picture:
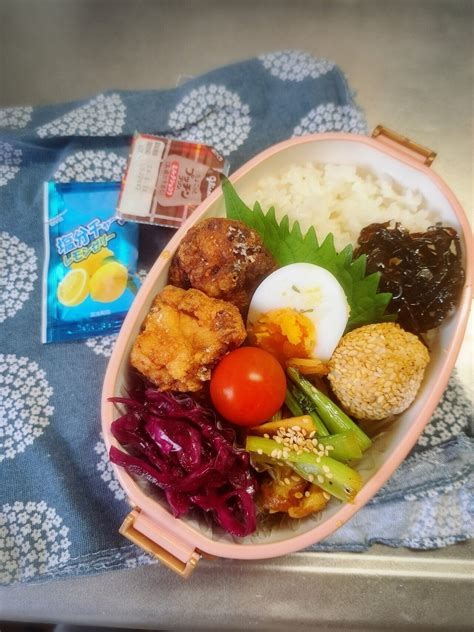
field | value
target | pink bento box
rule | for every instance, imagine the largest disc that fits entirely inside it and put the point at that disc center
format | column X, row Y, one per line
column 179, row 543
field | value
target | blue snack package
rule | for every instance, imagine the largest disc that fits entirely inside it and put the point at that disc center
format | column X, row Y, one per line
column 89, row 275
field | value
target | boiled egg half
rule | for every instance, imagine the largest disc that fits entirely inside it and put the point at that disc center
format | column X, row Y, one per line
column 300, row 310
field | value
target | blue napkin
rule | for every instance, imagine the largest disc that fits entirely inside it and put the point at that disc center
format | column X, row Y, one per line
column 60, row 504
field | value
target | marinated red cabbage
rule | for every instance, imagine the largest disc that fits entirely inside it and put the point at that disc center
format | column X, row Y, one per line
column 182, row 448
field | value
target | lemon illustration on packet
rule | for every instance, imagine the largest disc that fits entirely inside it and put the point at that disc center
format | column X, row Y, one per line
column 90, row 264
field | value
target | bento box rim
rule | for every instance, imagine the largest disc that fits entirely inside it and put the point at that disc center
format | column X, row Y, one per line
column 185, row 534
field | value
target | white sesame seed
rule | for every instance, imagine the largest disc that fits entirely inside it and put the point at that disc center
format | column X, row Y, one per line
column 306, row 494
column 273, row 454
column 285, row 454
column 266, row 436
column 298, row 495
column 296, row 428
column 260, row 451
column 296, row 478
column 329, row 475
column 326, row 496
column 326, row 469
column 312, row 433
column 329, row 447
column 278, row 439
column 320, row 478
column 287, row 481
column 318, row 460
column 310, row 478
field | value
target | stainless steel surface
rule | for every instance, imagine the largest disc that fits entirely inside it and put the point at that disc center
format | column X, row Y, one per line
column 391, row 589
column 409, row 61
column 411, row 64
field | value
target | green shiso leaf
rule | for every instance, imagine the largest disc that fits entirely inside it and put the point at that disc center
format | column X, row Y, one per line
column 288, row 245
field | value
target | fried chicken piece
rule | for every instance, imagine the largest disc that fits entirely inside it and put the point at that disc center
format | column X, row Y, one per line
column 223, row 258
column 184, row 336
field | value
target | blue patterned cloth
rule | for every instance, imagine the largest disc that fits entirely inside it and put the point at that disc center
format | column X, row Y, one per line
column 60, row 504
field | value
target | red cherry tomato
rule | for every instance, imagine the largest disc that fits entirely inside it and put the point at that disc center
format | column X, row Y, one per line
column 248, row 386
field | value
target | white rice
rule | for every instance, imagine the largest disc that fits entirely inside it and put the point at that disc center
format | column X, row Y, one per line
column 340, row 199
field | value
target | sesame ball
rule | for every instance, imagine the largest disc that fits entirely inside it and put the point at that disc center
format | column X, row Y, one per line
column 376, row 370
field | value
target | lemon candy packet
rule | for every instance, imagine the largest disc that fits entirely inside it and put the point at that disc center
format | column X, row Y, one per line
column 89, row 278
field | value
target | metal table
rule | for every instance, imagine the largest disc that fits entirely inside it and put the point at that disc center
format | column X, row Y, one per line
column 411, row 63
column 383, row 589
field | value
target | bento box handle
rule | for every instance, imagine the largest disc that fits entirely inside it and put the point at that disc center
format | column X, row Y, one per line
column 182, row 568
column 394, row 139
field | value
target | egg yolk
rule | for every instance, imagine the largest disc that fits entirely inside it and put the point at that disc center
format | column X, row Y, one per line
column 285, row 333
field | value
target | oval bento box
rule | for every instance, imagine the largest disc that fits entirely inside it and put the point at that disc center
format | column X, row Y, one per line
column 179, row 543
